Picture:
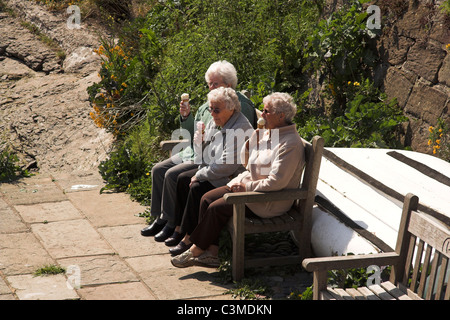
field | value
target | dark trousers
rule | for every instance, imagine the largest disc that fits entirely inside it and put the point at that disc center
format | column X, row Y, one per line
column 189, row 199
column 213, row 217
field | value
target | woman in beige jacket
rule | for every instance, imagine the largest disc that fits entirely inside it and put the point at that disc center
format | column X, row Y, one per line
column 274, row 159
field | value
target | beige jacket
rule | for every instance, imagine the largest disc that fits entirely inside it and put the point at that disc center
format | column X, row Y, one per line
column 274, row 162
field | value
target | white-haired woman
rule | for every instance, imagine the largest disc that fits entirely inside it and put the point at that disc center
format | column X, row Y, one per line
column 273, row 158
column 218, row 163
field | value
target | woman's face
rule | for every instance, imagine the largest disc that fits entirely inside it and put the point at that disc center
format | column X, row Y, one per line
column 219, row 112
column 216, row 81
column 273, row 120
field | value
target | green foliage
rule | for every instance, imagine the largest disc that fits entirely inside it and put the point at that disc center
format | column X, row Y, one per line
column 130, row 163
column 339, row 50
column 9, row 168
column 49, row 270
column 368, row 120
column 445, row 7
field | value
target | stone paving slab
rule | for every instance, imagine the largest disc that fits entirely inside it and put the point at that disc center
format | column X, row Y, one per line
column 36, row 189
column 107, row 209
column 128, row 242
column 117, row 291
column 53, row 287
column 21, row 253
column 48, row 212
column 10, row 222
column 97, row 270
column 65, row 239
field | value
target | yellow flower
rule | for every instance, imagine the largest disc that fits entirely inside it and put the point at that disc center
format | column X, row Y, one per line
column 447, row 46
column 356, row 83
column 438, row 141
column 429, row 142
column 147, row 174
column 349, row 82
column 440, row 130
column 430, row 129
column 124, row 84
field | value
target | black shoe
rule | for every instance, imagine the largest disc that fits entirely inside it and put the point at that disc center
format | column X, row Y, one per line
column 152, row 229
column 174, row 239
column 180, row 248
column 165, row 233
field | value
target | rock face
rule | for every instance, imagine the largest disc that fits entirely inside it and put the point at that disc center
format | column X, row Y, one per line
column 44, row 107
column 416, row 67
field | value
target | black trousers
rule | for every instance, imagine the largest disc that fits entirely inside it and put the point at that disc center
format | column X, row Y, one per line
column 189, row 200
column 213, row 217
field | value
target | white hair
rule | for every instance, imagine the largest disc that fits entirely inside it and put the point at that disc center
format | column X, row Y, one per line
column 226, row 95
column 225, row 70
column 281, row 103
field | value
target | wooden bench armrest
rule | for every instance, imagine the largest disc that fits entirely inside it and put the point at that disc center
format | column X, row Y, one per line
column 252, row 196
column 349, row 262
column 168, row 145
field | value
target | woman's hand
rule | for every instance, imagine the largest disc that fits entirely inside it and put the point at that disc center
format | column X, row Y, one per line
column 238, row 187
column 185, row 109
column 193, row 179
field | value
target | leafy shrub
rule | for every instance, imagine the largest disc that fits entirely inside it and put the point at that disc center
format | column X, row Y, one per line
column 9, row 168
column 368, row 120
column 130, row 163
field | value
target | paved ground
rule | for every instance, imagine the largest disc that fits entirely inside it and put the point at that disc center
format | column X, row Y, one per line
column 62, row 219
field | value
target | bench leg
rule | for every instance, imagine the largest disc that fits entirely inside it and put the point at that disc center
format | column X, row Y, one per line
column 238, row 242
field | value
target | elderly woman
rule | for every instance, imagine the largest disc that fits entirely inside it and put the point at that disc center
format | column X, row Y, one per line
column 219, row 159
column 274, row 158
column 165, row 173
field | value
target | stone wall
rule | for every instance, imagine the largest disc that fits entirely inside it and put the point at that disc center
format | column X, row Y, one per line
column 415, row 66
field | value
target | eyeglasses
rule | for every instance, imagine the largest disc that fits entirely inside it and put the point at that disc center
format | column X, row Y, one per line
column 215, row 110
column 265, row 111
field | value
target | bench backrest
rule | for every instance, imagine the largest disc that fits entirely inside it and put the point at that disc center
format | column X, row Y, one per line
column 310, row 176
column 424, row 247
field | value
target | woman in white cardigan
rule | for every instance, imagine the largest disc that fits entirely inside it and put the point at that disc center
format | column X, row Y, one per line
column 273, row 158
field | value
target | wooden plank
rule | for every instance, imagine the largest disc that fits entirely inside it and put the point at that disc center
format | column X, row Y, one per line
column 369, row 295
column 380, row 292
column 394, row 291
column 433, row 232
column 355, row 294
column 441, row 277
column 324, row 295
column 349, row 262
column 423, row 276
column 432, row 277
column 333, row 292
column 238, row 241
column 417, row 263
column 410, row 294
column 343, row 294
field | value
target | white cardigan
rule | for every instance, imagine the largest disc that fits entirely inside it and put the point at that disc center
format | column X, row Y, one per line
column 274, row 162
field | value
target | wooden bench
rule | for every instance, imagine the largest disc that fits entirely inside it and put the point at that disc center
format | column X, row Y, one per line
column 423, row 244
column 297, row 219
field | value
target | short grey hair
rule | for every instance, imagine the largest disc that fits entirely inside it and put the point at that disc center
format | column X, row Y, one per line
column 225, row 70
column 281, row 103
column 226, row 95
